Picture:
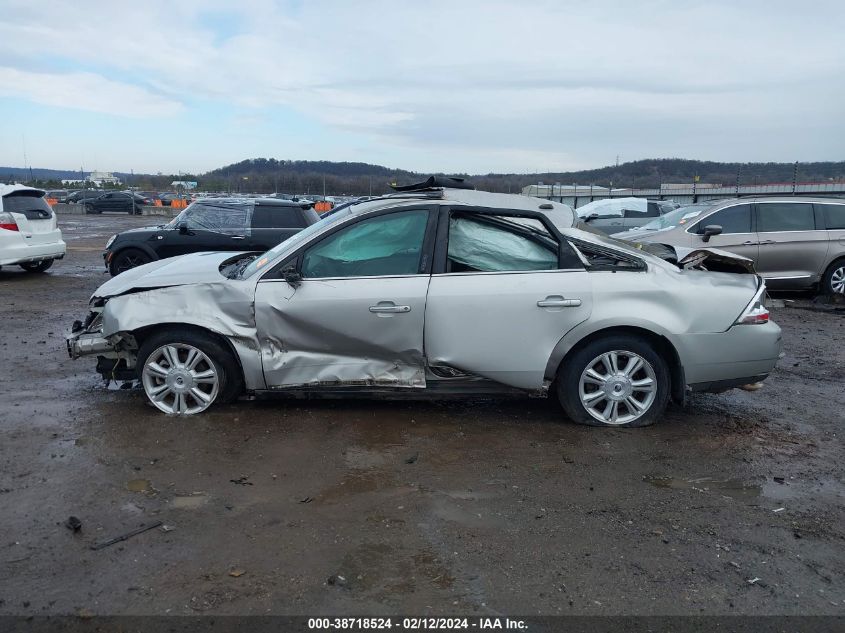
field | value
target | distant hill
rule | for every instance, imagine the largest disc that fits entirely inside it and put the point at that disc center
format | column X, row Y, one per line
column 268, row 175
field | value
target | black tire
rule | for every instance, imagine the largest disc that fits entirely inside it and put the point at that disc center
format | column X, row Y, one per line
column 127, row 259
column 230, row 377
column 37, row 267
column 838, row 268
column 89, row 209
column 568, row 381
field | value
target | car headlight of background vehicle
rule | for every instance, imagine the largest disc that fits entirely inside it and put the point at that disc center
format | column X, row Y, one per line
column 111, row 239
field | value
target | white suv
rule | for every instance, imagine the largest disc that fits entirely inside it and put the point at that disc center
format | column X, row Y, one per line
column 29, row 232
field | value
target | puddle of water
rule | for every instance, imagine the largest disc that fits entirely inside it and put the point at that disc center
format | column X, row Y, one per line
column 139, row 485
column 189, row 502
column 355, row 482
column 733, row 488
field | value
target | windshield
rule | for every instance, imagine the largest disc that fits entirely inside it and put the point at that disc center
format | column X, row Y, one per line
column 678, row 217
column 221, row 217
column 262, row 260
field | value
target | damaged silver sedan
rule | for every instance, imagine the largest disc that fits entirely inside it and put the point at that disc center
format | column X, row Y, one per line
column 440, row 291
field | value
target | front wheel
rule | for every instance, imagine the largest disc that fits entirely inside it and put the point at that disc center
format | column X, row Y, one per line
column 833, row 282
column 37, row 267
column 184, row 372
column 614, row 381
column 128, row 259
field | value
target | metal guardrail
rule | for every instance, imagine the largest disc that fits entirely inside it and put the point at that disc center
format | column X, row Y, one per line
column 576, row 196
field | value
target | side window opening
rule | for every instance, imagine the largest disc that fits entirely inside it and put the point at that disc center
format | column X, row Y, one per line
column 773, row 217
column 499, row 243
column 384, row 245
column 736, row 219
column 596, row 258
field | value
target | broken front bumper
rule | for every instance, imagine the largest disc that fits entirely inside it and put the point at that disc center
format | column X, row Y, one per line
column 83, row 343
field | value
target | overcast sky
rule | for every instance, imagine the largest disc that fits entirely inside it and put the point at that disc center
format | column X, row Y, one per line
column 458, row 86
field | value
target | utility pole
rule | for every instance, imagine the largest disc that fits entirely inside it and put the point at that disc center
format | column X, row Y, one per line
column 738, row 172
column 795, row 178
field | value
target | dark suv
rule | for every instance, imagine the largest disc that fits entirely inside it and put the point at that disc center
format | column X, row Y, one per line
column 211, row 224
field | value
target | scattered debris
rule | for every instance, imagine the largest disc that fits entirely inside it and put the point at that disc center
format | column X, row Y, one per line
column 779, row 480
column 85, row 614
column 123, row 537
column 336, row 580
column 754, row 386
column 237, row 573
column 73, row 523
column 306, row 500
column 413, row 458
column 241, row 481
column 753, row 581
column 778, row 509
column 734, row 564
column 167, row 528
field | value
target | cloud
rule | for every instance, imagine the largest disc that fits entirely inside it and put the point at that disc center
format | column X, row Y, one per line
column 85, row 91
column 566, row 82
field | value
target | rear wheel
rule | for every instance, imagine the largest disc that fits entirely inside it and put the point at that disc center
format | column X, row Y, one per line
column 89, row 209
column 614, row 381
column 128, row 259
column 833, row 282
column 37, row 267
column 184, row 371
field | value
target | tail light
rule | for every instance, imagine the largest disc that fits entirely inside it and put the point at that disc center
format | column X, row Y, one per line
column 755, row 313
column 8, row 222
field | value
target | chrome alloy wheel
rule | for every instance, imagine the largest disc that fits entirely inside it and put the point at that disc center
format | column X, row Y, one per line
column 618, row 387
column 179, row 378
column 837, row 280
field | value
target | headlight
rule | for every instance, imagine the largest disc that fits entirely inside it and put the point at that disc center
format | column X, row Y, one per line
column 111, row 239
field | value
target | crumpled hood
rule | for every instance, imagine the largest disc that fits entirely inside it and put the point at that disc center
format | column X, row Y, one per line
column 634, row 235
column 705, row 258
column 174, row 271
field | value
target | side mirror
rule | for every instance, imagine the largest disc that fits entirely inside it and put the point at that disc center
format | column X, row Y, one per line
column 710, row 230
column 292, row 277
column 183, row 228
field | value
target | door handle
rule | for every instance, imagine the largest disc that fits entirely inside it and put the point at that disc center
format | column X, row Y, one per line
column 238, row 237
column 769, row 242
column 558, row 302
column 389, row 309
column 749, row 243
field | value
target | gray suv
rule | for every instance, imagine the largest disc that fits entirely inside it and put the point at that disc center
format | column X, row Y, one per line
column 796, row 243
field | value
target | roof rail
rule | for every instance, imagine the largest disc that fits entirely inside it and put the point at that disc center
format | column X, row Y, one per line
column 435, row 182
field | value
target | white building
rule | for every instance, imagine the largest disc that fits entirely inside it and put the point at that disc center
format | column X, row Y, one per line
column 100, row 178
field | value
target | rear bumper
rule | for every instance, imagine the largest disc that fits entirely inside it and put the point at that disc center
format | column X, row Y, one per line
column 15, row 250
column 743, row 353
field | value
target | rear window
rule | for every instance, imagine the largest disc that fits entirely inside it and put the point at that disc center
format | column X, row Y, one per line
column 834, row 215
column 22, row 203
column 267, row 216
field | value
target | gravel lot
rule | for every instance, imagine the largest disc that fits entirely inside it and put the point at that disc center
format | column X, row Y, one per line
column 732, row 505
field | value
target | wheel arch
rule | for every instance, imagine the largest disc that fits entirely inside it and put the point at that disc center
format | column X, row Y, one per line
column 143, row 333
column 137, row 246
column 566, row 349
column 835, row 262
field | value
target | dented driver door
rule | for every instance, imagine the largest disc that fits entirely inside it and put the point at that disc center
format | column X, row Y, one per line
column 356, row 316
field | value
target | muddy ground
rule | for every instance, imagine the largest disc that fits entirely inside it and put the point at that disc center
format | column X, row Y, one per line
column 731, row 505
